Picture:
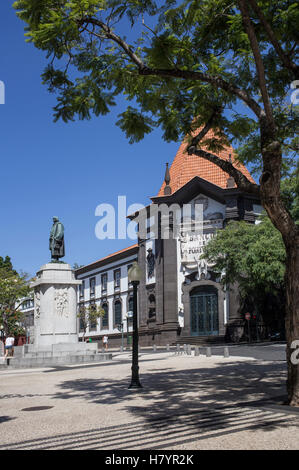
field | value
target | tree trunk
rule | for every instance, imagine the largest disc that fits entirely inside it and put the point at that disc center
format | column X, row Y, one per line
column 282, row 220
column 292, row 318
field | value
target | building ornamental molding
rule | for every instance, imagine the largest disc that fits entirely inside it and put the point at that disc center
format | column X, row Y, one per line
column 61, row 301
column 37, row 304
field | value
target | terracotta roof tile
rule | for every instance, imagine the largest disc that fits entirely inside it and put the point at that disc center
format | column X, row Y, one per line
column 185, row 167
column 106, row 258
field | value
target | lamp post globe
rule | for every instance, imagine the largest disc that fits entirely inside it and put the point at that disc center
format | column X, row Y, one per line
column 135, row 273
column 134, row 276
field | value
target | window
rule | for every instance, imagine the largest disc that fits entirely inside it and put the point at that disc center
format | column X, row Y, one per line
column 105, row 317
column 92, row 286
column 130, row 305
column 27, row 304
column 117, row 279
column 130, row 309
column 128, row 267
column 117, row 313
column 81, row 289
column 81, row 318
column 93, row 322
column 29, row 320
column 104, row 281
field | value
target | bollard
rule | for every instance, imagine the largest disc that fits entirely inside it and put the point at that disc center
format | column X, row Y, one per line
column 208, row 352
column 196, row 351
column 226, row 352
column 121, row 349
column 154, row 348
column 185, row 348
column 189, row 350
column 167, row 347
column 178, row 349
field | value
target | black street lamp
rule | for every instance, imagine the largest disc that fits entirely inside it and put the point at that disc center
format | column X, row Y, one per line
column 120, row 328
column 134, row 275
column 129, row 317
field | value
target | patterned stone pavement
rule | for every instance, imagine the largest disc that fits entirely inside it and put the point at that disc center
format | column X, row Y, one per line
column 185, row 403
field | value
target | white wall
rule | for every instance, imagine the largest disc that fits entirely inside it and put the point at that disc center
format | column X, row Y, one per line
column 110, row 294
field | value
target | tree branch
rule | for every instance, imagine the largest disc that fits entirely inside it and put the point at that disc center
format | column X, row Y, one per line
column 258, row 59
column 114, row 37
column 283, row 56
column 241, row 180
column 206, row 128
column 215, row 81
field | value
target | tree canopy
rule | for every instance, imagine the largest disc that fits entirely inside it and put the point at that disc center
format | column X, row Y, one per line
column 88, row 316
column 251, row 255
column 180, row 65
column 13, row 288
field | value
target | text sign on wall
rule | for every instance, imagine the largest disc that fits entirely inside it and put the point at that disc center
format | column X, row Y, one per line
column 192, row 245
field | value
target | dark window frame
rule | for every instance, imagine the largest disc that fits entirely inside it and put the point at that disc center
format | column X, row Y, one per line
column 117, row 323
column 104, row 285
column 128, row 267
column 93, row 326
column 81, row 289
column 117, row 278
column 92, row 286
column 80, row 319
column 105, row 317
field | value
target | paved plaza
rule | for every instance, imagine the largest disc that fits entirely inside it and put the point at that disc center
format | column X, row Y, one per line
column 187, row 402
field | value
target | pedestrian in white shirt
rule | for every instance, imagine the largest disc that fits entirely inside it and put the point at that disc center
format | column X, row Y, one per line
column 9, row 344
column 105, row 342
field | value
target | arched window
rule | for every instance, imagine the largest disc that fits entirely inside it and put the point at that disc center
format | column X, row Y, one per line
column 93, row 322
column 105, row 317
column 117, row 313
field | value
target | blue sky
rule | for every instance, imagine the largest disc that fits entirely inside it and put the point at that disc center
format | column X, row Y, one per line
column 61, row 169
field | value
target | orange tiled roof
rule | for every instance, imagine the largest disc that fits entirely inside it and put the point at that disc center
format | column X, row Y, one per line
column 185, row 167
column 118, row 252
column 107, row 257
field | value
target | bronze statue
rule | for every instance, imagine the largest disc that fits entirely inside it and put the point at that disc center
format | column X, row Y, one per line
column 56, row 242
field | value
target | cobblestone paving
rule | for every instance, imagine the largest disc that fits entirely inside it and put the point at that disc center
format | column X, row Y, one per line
column 185, row 403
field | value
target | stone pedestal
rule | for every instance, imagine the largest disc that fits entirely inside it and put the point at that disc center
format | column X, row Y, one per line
column 55, row 306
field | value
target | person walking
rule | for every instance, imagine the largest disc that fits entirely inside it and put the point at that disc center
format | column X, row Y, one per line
column 105, row 342
column 9, row 344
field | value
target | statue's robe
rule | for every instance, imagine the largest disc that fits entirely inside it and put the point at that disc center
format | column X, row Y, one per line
column 56, row 244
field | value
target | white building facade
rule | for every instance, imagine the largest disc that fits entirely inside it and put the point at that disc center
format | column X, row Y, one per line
column 180, row 298
column 105, row 284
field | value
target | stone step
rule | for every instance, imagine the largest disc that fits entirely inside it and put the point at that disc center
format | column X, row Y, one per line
column 28, row 362
column 200, row 340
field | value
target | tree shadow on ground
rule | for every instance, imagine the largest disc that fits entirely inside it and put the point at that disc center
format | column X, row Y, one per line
column 227, row 382
column 176, row 407
column 4, row 419
column 181, row 392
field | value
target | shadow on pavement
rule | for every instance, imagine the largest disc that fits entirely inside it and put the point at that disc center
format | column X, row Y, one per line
column 177, row 407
